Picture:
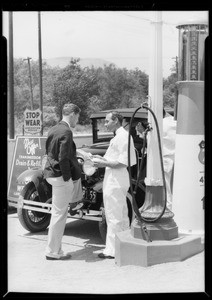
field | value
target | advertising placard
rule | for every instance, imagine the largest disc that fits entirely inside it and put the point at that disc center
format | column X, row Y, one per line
column 32, row 121
column 28, row 154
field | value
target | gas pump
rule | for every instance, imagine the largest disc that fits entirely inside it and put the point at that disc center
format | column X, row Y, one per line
column 188, row 188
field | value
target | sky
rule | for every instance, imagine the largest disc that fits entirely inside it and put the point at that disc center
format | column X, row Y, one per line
column 121, row 37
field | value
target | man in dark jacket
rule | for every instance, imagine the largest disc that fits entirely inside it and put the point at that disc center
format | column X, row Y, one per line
column 64, row 174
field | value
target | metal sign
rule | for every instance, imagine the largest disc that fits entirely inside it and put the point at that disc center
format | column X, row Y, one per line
column 32, row 121
column 27, row 154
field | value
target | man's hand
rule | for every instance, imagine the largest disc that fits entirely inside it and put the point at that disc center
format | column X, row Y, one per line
column 98, row 156
column 99, row 161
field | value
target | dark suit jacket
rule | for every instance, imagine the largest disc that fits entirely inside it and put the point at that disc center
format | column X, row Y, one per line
column 61, row 151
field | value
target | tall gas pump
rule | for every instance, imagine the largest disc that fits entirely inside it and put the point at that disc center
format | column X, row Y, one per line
column 188, row 188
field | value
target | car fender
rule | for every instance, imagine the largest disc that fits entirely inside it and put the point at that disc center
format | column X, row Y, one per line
column 41, row 185
column 31, row 175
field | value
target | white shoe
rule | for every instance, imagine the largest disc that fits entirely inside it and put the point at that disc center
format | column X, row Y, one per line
column 63, row 257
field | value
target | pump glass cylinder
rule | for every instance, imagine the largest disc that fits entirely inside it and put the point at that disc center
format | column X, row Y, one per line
column 191, row 51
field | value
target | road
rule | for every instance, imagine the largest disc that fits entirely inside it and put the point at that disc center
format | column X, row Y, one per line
column 85, row 273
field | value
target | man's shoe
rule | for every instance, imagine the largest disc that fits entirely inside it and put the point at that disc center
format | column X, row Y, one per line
column 102, row 255
column 64, row 257
column 73, row 208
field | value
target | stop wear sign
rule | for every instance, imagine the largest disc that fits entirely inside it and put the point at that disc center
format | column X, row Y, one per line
column 32, row 121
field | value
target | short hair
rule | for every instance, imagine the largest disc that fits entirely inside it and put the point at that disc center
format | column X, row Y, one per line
column 116, row 115
column 69, row 108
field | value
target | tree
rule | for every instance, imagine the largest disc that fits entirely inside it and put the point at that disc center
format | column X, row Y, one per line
column 170, row 90
column 120, row 87
column 22, row 87
column 49, row 117
column 74, row 85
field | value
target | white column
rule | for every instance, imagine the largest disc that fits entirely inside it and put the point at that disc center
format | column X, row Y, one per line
column 154, row 174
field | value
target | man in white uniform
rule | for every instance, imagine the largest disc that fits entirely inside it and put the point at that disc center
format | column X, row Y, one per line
column 116, row 181
column 169, row 136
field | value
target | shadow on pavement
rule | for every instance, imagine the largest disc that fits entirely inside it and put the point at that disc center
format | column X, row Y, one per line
column 87, row 253
column 84, row 229
column 88, row 231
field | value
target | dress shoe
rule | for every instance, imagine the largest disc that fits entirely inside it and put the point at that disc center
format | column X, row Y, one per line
column 102, row 255
column 64, row 257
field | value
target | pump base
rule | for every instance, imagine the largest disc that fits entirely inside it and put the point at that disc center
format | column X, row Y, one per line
column 132, row 251
column 163, row 229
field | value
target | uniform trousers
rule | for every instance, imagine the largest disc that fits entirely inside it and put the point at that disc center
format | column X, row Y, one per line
column 115, row 188
column 63, row 193
column 168, row 172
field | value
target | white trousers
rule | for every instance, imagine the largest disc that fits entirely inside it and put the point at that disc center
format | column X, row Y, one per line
column 62, row 194
column 115, row 187
column 168, row 172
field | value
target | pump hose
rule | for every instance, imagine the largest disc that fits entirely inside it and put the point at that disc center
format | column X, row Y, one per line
column 133, row 192
column 135, row 207
column 142, row 160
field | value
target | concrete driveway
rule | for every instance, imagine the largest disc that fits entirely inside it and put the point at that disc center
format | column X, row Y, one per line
column 85, row 273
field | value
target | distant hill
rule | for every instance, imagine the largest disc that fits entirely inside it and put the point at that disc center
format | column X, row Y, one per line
column 84, row 62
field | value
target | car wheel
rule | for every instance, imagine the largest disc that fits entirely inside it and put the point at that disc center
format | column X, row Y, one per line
column 31, row 220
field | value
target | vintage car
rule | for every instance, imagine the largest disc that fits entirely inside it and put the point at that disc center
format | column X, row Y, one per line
column 34, row 207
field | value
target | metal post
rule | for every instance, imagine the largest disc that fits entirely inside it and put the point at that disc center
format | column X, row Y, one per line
column 30, row 80
column 40, row 69
column 154, row 175
column 11, row 78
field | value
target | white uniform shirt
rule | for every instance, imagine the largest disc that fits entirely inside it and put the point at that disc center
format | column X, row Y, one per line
column 118, row 148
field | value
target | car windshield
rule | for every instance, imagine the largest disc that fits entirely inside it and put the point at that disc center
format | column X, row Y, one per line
column 100, row 133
